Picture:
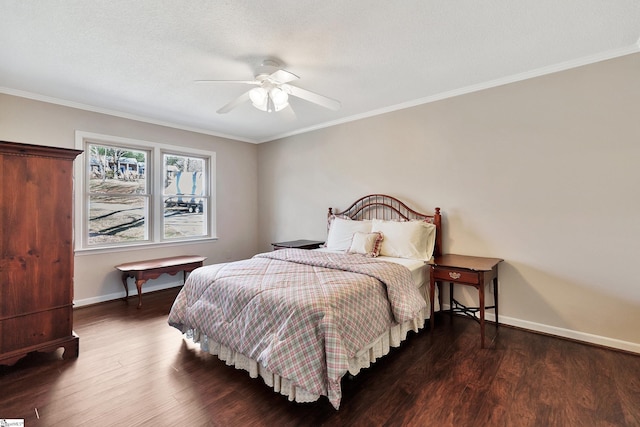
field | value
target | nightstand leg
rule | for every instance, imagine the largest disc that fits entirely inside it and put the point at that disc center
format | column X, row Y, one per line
column 481, row 298
column 451, row 298
column 432, row 292
column 495, row 296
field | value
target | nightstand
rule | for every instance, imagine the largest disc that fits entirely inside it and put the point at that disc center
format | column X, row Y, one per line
column 298, row 244
column 467, row 271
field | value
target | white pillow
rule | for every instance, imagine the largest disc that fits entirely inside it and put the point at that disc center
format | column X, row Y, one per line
column 367, row 244
column 341, row 232
column 406, row 239
column 431, row 241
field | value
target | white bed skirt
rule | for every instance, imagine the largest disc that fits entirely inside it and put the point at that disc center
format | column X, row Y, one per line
column 363, row 359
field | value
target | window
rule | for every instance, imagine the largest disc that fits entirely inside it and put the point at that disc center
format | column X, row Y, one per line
column 183, row 195
column 135, row 192
column 117, row 195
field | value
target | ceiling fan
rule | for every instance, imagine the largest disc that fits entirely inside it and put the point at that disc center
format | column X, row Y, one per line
column 272, row 90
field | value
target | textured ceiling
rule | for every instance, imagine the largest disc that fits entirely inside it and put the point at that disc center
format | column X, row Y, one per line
column 139, row 59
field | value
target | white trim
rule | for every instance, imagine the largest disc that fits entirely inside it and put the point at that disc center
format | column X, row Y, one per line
column 603, row 56
column 571, row 334
column 470, row 89
column 132, row 293
column 504, row 320
column 564, row 333
column 101, row 110
column 137, row 247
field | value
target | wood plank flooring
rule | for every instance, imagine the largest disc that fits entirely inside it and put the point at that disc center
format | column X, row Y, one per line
column 135, row 370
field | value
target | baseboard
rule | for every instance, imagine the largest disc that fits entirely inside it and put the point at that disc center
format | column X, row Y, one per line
column 511, row 321
column 119, row 295
column 565, row 333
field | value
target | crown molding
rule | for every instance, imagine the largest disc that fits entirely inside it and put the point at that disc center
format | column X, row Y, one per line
column 94, row 109
column 579, row 62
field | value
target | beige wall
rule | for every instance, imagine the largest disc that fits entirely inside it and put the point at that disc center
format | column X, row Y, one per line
column 544, row 173
column 34, row 122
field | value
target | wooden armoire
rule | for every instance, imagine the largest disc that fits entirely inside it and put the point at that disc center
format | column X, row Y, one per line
column 36, row 249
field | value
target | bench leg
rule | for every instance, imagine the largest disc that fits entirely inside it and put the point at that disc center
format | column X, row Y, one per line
column 139, row 283
column 125, row 276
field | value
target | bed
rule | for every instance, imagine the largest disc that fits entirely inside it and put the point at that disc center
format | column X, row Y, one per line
column 303, row 319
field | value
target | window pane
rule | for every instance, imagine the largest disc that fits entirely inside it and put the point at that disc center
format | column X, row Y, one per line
column 117, row 170
column 184, row 217
column 117, row 219
column 183, row 175
column 116, row 175
column 184, row 196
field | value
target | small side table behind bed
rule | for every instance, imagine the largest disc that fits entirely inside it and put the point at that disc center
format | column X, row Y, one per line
column 467, row 271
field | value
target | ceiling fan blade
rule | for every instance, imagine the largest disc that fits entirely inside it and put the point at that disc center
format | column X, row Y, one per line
column 249, row 82
column 307, row 95
column 288, row 113
column 233, row 104
column 283, row 76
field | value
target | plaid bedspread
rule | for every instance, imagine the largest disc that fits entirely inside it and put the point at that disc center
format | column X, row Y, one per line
column 301, row 314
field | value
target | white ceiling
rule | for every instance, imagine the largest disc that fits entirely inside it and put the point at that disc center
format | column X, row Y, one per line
column 139, row 59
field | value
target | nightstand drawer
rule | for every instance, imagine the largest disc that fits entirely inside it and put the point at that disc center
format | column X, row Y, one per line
column 456, row 275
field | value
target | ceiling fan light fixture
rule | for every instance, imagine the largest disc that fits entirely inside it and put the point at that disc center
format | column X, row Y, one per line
column 259, row 98
column 272, row 91
column 279, row 97
column 269, row 100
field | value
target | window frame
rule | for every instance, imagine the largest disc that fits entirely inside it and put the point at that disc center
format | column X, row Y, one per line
column 207, row 206
column 154, row 170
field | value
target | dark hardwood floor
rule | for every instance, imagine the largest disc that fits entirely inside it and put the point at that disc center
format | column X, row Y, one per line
column 135, row 370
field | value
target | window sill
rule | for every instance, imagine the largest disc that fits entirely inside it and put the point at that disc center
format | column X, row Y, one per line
column 141, row 246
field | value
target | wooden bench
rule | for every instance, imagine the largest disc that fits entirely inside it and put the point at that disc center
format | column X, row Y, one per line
column 142, row 271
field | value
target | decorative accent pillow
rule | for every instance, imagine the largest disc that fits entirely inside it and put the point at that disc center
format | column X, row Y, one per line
column 408, row 239
column 367, row 244
column 341, row 232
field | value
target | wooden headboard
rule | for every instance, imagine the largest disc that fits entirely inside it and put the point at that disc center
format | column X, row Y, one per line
column 380, row 206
